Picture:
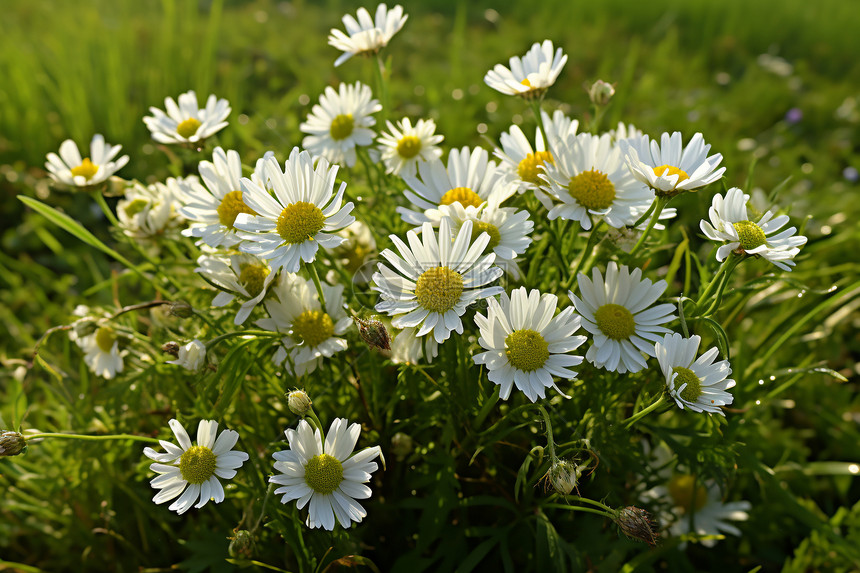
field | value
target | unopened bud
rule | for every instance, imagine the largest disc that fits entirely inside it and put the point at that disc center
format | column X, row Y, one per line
column 84, row 327
column 180, row 308
column 401, row 445
column 191, row 356
column 563, row 475
column 116, row 187
column 171, row 347
column 601, row 92
column 636, row 523
column 11, row 443
column 241, row 545
column 299, row 402
column 373, row 332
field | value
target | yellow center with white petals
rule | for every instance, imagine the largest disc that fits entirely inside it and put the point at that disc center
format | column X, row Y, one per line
column 463, row 195
column 253, row 278
column 615, row 321
column 300, row 222
column 105, row 339
column 135, row 207
column 197, row 464
column 230, row 207
column 87, row 169
column 532, row 165
column 526, row 350
column 694, row 385
column 408, row 147
column 323, row 473
column 188, row 127
column 750, row 235
column 342, row 126
column 479, row 227
column 592, row 189
column 312, row 327
column 439, row 289
column 687, row 493
column 667, row 170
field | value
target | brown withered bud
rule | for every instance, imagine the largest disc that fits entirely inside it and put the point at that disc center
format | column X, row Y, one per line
column 171, row 348
column 11, row 443
column 636, row 523
column 373, row 332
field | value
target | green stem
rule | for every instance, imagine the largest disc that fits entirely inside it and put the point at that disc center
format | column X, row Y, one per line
column 632, row 419
column 100, row 199
column 539, row 119
column 720, row 278
column 262, row 333
column 381, row 87
column 593, row 238
column 578, row 508
column 312, row 269
column 316, row 421
column 94, row 438
column 549, row 441
column 589, row 501
column 659, row 204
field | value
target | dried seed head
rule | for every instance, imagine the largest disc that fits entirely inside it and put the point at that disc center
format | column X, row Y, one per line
column 11, row 443
column 373, row 332
column 636, row 523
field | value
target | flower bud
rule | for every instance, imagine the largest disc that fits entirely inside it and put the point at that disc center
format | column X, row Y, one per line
column 373, row 333
column 401, row 445
column 241, row 545
column 171, row 348
column 636, row 523
column 601, row 92
column 11, row 443
column 180, row 308
column 191, row 356
column 563, row 475
column 299, row 402
column 84, row 327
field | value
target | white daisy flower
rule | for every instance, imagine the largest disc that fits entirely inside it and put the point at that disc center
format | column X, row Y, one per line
column 670, row 168
column 312, row 331
column 699, row 385
column 406, row 348
column 213, row 209
column 730, row 224
column 187, row 123
column 152, row 211
column 406, row 146
column 192, row 356
column 341, row 122
column 435, row 279
column 194, row 470
column 469, row 179
column 526, row 345
column 101, row 351
column 616, row 311
column 302, row 216
column 531, row 75
column 591, row 180
column 70, row 169
column 367, row 36
column 241, row 276
column 326, row 474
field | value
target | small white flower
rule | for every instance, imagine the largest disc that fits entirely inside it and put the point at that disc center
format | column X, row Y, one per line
column 616, row 312
column 186, row 122
column 367, row 36
column 328, row 475
column 242, row 275
column 699, row 385
column 406, row 146
column 531, row 75
column 192, row 356
column 435, row 279
column 730, row 224
column 669, row 167
column 152, row 211
column 194, row 470
column 341, row 122
column 70, row 169
column 101, row 351
column 406, row 348
column 526, row 345
column 302, row 216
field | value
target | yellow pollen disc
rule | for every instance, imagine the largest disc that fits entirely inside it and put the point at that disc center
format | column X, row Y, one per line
column 323, row 473
column 526, row 83
column 312, row 327
column 253, row 277
column 532, row 165
column 105, row 339
column 666, row 170
column 438, row 289
column 592, row 189
column 479, row 227
column 615, row 321
column 188, row 127
column 197, row 464
column 526, row 349
column 87, row 169
column 681, row 488
column 749, row 234
column 465, row 196
column 694, row 386
column 230, row 207
column 135, row 207
column 342, row 126
column 408, row 147
column 300, row 222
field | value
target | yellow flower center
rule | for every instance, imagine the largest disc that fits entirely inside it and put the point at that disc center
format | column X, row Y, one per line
column 465, row 196
column 313, row 327
column 197, row 464
column 694, row 386
column 342, row 126
column 253, row 277
column 532, row 165
column 615, row 321
column 300, row 222
column 526, row 83
column 667, row 170
column 87, row 169
column 479, row 227
column 749, row 234
column 135, row 207
column 188, row 127
column 592, row 189
column 105, row 339
column 687, row 493
column 230, row 207
column 408, row 147
column 323, row 473
column 526, row 349
column 438, row 289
